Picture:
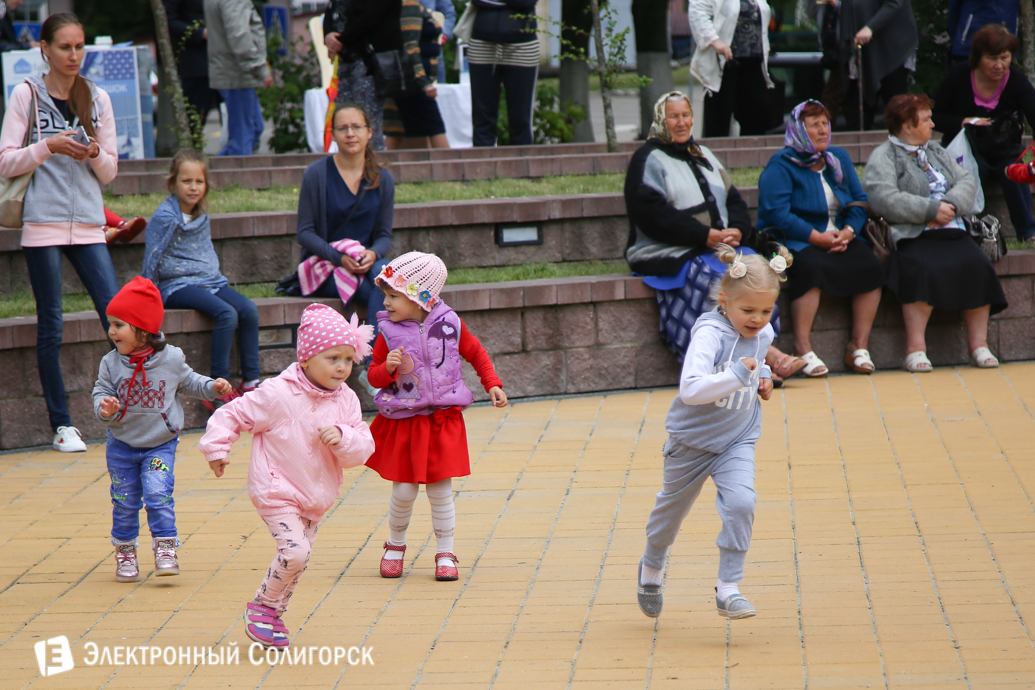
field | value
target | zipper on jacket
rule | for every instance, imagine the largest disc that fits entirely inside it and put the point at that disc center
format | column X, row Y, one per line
column 966, row 29
column 424, row 346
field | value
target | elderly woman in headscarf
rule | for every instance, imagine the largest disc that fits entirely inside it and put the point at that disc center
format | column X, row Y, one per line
column 803, row 197
column 681, row 203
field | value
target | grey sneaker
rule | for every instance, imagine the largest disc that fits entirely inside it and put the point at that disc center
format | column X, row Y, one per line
column 126, row 568
column 365, row 382
column 649, row 597
column 735, row 607
column 165, row 557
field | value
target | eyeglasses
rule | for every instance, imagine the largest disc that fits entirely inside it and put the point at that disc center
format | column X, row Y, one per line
column 350, row 128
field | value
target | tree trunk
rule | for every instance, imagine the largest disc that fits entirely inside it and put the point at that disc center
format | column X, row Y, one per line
column 605, row 89
column 653, row 55
column 181, row 123
column 1028, row 35
column 574, row 84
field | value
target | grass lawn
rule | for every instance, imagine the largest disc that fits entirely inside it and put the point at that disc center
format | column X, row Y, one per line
column 627, row 80
column 22, row 303
column 238, row 200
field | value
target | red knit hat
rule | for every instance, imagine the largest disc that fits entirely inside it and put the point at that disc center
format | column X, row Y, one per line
column 139, row 303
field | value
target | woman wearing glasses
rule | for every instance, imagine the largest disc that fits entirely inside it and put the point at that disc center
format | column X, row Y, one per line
column 345, row 209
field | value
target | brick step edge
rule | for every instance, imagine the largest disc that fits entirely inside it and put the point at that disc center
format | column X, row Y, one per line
column 82, row 327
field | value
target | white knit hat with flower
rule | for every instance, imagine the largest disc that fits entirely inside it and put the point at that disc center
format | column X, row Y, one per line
column 417, row 275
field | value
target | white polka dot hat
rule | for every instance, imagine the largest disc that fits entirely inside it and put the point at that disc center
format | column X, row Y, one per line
column 323, row 328
column 417, row 275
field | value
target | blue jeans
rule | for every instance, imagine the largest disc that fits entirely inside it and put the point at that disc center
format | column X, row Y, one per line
column 367, row 293
column 93, row 264
column 141, row 476
column 244, row 121
column 232, row 312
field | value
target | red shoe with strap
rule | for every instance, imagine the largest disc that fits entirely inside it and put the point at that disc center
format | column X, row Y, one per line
column 446, row 573
column 392, row 568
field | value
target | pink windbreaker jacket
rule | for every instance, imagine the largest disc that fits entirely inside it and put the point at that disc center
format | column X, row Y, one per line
column 291, row 471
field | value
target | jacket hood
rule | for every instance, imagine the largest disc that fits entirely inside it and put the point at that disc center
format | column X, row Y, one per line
column 713, row 319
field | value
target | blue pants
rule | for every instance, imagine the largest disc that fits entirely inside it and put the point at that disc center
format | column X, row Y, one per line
column 93, row 264
column 141, row 476
column 232, row 312
column 244, row 121
column 686, row 471
column 367, row 294
column 1018, row 196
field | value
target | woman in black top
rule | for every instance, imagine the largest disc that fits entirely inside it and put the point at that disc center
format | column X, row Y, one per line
column 983, row 92
column 354, row 30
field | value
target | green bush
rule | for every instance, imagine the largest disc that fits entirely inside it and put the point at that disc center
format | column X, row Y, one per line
column 284, row 102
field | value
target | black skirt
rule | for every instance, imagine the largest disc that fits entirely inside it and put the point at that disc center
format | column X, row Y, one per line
column 946, row 269
column 842, row 274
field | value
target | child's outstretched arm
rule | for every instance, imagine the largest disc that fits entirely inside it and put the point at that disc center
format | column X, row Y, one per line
column 195, row 385
column 255, row 414
column 471, row 349
column 698, row 383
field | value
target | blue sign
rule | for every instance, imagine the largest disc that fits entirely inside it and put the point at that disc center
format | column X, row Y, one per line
column 28, row 31
column 275, row 19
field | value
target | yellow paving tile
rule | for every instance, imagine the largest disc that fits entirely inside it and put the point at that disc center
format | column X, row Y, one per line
column 894, row 547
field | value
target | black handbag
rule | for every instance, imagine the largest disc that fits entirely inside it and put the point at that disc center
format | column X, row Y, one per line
column 390, row 80
column 997, row 141
column 988, row 234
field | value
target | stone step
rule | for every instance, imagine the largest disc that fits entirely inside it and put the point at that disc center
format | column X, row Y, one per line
column 460, row 170
column 546, row 337
column 435, row 155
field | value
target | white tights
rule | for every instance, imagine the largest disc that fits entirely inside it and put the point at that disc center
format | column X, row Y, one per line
column 443, row 515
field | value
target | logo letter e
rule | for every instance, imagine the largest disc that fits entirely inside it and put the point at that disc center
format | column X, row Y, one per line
column 62, row 656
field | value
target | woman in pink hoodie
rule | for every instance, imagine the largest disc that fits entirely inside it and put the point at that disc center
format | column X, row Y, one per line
column 307, row 427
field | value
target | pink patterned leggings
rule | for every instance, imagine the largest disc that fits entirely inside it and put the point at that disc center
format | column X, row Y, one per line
column 295, row 536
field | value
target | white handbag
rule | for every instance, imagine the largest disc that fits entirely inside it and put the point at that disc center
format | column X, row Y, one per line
column 12, row 190
column 465, row 26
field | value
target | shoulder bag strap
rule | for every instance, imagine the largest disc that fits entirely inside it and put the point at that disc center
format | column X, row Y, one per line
column 355, row 206
column 34, row 115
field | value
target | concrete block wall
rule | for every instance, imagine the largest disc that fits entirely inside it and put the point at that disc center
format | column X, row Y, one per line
column 546, row 337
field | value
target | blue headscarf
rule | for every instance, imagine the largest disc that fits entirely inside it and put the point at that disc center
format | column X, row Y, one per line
column 805, row 153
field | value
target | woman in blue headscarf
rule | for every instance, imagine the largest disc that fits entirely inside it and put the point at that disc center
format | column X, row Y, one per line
column 802, row 197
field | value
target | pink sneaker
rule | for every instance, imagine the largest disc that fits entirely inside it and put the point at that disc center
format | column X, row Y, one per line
column 126, row 568
column 263, row 625
column 165, row 557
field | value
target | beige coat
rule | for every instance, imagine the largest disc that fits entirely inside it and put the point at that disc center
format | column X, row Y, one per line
column 236, row 45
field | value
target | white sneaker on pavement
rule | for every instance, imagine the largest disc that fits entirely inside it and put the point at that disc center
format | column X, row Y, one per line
column 366, row 384
column 67, row 439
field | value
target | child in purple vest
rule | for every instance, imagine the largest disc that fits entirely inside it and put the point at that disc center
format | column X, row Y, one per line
column 419, row 432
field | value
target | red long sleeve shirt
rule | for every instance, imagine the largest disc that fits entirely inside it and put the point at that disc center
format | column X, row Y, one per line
column 470, row 349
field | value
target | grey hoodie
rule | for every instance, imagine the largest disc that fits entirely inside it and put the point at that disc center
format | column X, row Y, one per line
column 154, row 416
column 717, row 406
column 62, row 189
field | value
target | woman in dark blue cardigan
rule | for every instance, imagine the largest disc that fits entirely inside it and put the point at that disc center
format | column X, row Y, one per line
column 802, row 195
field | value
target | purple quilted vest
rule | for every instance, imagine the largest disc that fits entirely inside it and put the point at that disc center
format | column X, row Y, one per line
column 430, row 376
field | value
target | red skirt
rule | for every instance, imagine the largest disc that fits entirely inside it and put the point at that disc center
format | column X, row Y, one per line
column 422, row 449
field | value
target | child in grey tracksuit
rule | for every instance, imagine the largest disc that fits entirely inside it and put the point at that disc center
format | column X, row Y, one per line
column 713, row 426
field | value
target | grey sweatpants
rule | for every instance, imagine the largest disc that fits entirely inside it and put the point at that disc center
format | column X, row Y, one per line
column 686, row 470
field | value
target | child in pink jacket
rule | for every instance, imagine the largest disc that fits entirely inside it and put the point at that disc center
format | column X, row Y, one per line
column 307, row 427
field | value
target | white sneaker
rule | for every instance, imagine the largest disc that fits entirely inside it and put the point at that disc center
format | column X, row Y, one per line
column 67, row 439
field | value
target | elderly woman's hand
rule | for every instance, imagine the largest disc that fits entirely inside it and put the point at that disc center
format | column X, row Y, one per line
column 946, row 212
column 824, row 240
column 730, row 236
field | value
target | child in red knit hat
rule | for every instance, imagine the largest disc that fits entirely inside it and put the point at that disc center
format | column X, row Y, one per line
column 136, row 398
column 419, row 432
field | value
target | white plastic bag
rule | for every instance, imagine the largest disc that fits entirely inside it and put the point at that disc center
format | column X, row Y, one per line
column 959, row 149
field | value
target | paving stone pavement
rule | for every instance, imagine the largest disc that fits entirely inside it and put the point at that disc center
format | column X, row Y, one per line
column 893, row 548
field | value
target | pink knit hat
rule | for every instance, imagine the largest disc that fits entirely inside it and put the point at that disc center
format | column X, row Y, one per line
column 417, row 275
column 323, row 328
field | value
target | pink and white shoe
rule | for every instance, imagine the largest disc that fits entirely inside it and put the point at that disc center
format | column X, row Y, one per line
column 165, row 557
column 263, row 625
column 126, row 567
